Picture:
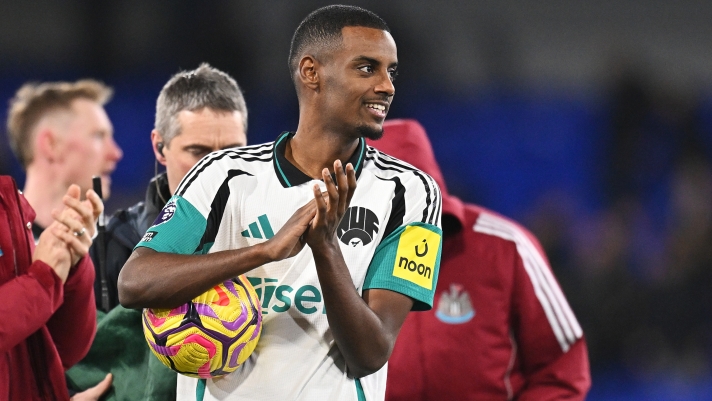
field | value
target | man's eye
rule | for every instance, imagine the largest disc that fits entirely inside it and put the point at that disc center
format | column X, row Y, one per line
column 366, row 68
column 198, row 152
column 393, row 74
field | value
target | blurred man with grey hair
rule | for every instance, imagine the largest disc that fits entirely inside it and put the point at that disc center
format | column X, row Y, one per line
column 197, row 112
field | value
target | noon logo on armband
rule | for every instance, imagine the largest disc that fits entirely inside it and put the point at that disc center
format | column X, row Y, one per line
column 416, row 256
column 166, row 213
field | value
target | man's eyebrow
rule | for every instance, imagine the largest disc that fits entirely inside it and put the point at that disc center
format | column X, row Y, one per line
column 373, row 61
column 208, row 148
column 232, row 145
column 367, row 59
column 196, row 147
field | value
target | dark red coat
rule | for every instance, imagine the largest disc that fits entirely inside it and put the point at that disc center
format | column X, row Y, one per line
column 500, row 328
column 45, row 327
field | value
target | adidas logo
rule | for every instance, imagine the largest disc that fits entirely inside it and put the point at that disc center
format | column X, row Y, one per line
column 259, row 229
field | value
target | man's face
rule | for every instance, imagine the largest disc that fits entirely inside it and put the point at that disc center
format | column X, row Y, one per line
column 87, row 147
column 358, row 81
column 201, row 132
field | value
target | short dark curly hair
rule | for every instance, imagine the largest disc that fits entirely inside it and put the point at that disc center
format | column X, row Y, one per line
column 322, row 28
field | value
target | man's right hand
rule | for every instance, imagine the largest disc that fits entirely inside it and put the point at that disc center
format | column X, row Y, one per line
column 52, row 250
column 143, row 281
column 289, row 240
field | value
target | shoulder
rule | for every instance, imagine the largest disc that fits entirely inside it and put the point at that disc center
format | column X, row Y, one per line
column 218, row 166
column 122, row 226
column 416, row 197
column 124, row 217
column 252, row 156
column 385, row 166
column 497, row 227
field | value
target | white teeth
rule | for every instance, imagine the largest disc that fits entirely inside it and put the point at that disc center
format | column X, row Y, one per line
column 376, row 106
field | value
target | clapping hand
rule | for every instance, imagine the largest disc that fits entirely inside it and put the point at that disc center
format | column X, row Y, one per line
column 77, row 222
column 330, row 208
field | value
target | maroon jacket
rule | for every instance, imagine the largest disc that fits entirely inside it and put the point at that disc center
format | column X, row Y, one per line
column 45, row 327
column 501, row 327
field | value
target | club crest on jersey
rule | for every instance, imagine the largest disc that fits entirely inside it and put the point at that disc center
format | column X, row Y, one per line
column 166, row 213
column 416, row 256
column 358, row 226
column 454, row 307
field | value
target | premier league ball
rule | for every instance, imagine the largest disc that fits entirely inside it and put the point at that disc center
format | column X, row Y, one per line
column 210, row 336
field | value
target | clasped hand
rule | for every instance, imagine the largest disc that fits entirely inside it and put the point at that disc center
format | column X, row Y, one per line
column 315, row 223
column 69, row 237
column 330, row 206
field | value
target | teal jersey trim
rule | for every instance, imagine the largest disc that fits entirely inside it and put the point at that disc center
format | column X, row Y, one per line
column 200, row 390
column 359, row 390
column 363, row 150
column 276, row 160
column 180, row 231
column 408, row 262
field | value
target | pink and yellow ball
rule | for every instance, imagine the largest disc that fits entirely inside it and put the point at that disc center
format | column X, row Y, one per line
column 210, row 336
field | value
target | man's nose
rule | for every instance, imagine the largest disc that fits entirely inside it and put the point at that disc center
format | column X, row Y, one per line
column 386, row 85
column 115, row 152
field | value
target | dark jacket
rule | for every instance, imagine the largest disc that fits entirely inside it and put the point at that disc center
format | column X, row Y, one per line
column 123, row 231
column 46, row 326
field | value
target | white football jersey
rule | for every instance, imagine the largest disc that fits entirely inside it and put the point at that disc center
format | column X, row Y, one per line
column 390, row 238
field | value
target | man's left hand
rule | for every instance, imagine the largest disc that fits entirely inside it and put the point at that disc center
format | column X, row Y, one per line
column 332, row 207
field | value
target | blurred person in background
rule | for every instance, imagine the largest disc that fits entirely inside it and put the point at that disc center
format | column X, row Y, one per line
column 197, row 112
column 47, row 307
column 61, row 135
column 501, row 327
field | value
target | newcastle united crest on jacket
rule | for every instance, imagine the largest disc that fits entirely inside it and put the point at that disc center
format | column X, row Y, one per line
column 454, row 307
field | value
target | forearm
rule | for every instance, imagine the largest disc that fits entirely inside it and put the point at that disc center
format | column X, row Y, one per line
column 73, row 325
column 28, row 302
column 151, row 279
column 363, row 338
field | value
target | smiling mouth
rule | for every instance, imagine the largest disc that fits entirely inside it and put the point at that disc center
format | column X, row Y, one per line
column 378, row 109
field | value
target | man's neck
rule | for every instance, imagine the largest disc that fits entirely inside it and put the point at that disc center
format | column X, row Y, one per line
column 44, row 194
column 312, row 150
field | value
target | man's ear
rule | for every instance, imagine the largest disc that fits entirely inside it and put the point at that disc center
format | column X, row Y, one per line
column 158, row 147
column 307, row 72
column 46, row 146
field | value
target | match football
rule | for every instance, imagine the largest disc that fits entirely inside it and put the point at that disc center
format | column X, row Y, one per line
column 210, row 336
